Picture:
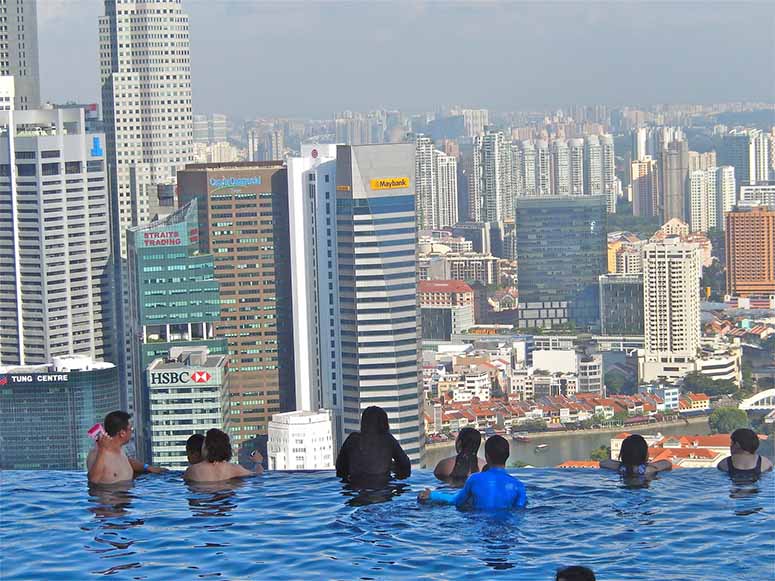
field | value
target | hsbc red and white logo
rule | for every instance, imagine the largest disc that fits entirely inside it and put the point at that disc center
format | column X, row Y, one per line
column 176, row 377
column 200, row 377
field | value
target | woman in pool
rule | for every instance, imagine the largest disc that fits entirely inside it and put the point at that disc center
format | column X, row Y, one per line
column 215, row 465
column 370, row 455
column 466, row 462
column 634, row 459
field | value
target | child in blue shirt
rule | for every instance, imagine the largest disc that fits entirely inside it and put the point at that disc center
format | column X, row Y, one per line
column 493, row 489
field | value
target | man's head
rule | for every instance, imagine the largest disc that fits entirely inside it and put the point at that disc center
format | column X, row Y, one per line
column 496, row 451
column 217, row 446
column 194, row 448
column 744, row 440
column 575, row 574
column 117, row 425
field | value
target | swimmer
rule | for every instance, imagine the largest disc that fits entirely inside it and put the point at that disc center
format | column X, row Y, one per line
column 460, row 467
column 491, row 490
column 216, row 465
column 107, row 463
column 194, row 448
column 575, row 573
column 634, row 459
column 744, row 461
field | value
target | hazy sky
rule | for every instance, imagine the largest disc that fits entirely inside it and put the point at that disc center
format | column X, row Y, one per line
column 251, row 57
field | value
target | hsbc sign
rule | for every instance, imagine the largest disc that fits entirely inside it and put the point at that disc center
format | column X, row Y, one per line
column 178, row 377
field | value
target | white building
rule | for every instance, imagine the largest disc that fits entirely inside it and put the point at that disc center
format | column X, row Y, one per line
column 543, row 173
column 7, row 93
column 561, row 170
column 593, row 166
column 436, row 181
column 492, row 166
column 609, row 181
column 301, row 440
column 748, row 150
column 669, row 395
column 475, row 121
column 19, row 50
column 671, row 274
column 470, row 384
column 576, row 156
column 763, row 193
column 56, row 283
column 712, row 193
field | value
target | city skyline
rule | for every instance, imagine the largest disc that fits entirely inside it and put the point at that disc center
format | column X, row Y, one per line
column 609, row 39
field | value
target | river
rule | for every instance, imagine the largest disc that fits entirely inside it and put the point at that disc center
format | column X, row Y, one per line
column 572, row 446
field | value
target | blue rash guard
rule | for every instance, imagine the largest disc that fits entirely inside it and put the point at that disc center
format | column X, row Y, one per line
column 494, row 489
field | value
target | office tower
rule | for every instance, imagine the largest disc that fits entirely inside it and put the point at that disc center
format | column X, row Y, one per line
column 645, row 187
column 576, row 159
column 711, row 195
column 543, row 174
column 19, row 51
column 761, row 193
column 621, row 304
column 46, row 411
column 314, row 279
column 673, row 176
column 608, row 171
column 187, row 391
column 201, row 128
column 475, row 121
column 593, row 166
column 561, row 176
column 561, row 252
column 671, row 307
column 243, row 223
column 254, row 138
column 56, row 285
column 530, row 187
column 378, row 288
column 750, row 251
column 273, row 147
column 748, row 151
column 301, row 440
column 447, row 308
column 493, row 166
column 147, row 140
column 174, row 302
column 218, row 128
column 705, row 160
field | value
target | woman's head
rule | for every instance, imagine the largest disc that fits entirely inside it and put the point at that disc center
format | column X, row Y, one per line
column 635, row 451
column 374, row 420
column 217, row 447
column 744, row 440
column 468, row 441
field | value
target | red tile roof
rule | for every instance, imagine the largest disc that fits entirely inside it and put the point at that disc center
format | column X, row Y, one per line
column 444, row 286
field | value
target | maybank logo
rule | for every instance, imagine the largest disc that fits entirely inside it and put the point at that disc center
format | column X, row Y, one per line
column 220, row 183
column 389, row 183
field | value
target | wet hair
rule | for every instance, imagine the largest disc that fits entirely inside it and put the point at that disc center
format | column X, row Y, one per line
column 634, row 452
column 217, row 446
column 194, row 444
column 746, row 439
column 374, row 420
column 116, row 422
column 497, row 450
column 575, row 573
column 466, row 461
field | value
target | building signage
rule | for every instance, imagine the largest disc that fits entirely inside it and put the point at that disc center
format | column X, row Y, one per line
column 343, row 188
column 389, row 183
column 220, row 183
column 479, row 331
column 179, row 377
column 165, row 238
column 34, row 378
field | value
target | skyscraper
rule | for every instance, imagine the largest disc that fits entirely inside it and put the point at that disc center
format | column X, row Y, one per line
column 148, row 138
column 56, row 284
column 436, row 186
column 529, row 181
column 608, row 171
column 621, row 304
column 378, row 288
column 645, row 187
column 243, row 223
column 561, row 253
column 576, row 158
column 561, row 171
column 711, row 195
column 494, row 172
column 19, row 50
column 748, row 151
column 750, row 251
column 593, row 166
column 424, row 182
column 671, row 302
column 543, row 174
column 673, row 177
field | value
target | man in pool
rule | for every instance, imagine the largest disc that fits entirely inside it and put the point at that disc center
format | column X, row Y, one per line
column 744, row 461
column 493, row 489
column 107, row 463
column 194, row 449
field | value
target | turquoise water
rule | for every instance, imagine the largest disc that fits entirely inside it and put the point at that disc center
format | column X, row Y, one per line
column 687, row 525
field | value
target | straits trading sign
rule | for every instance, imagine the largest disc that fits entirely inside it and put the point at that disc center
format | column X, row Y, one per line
column 222, row 183
column 389, row 183
column 164, row 238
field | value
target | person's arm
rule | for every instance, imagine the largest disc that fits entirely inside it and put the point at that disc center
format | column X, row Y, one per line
column 520, row 500
column 97, row 463
column 343, row 460
column 662, row 465
column 724, row 465
column 458, row 499
column 141, row 468
column 403, row 465
column 444, row 469
column 610, row 464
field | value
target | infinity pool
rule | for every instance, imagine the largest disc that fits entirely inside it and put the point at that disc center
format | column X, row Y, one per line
column 689, row 524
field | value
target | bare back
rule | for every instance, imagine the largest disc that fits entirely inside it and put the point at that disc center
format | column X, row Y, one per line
column 215, row 472
column 113, row 467
column 444, row 468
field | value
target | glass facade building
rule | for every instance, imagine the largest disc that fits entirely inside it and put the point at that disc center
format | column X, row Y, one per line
column 46, row 410
column 621, row 304
column 174, row 301
column 561, row 252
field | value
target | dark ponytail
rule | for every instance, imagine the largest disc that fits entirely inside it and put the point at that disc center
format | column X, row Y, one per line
column 466, row 461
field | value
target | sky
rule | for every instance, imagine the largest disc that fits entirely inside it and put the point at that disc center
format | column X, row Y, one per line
column 303, row 59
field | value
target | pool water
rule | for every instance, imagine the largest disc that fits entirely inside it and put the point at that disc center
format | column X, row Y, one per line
column 686, row 525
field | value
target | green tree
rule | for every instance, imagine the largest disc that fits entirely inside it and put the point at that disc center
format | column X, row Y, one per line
column 698, row 382
column 601, row 453
column 727, row 420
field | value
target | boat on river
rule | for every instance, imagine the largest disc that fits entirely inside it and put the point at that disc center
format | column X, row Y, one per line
column 541, row 447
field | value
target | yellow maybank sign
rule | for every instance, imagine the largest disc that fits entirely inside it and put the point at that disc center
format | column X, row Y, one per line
column 389, row 183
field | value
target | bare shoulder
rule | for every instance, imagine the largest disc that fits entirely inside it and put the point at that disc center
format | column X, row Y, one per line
column 91, row 457
column 237, row 471
column 444, row 468
column 724, row 465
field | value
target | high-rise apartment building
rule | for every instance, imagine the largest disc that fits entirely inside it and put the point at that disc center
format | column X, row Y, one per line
column 492, row 165
column 446, row 213
column 644, row 184
column 475, row 121
column 576, row 160
column 711, row 194
column 593, row 166
column 610, row 183
column 561, row 253
column 243, row 223
column 19, row 50
column 174, row 302
column 529, row 181
column 376, row 250
column 145, row 72
column 674, row 170
column 671, row 302
column 561, row 176
column 703, row 161
column 760, row 193
column 56, row 285
column 750, row 251
column 436, row 186
column 748, row 151
column 543, row 171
